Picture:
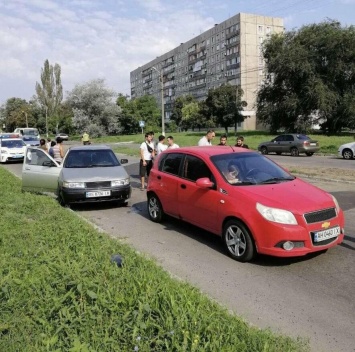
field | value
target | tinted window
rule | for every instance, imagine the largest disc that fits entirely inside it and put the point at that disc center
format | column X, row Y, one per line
column 289, row 138
column 302, row 137
column 90, row 158
column 195, row 168
column 171, row 163
column 280, row 138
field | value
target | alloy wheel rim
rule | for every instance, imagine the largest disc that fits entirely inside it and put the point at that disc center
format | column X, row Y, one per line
column 236, row 241
column 153, row 208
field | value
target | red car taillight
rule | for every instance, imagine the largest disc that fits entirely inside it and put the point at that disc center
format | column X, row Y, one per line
column 306, row 143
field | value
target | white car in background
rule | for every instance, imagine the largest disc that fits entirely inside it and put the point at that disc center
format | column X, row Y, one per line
column 347, row 151
column 12, row 149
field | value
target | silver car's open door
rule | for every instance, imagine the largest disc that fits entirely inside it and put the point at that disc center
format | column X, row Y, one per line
column 39, row 172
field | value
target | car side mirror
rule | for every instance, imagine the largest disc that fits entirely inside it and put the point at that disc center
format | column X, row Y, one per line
column 124, row 161
column 48, row 163
column 204, row 182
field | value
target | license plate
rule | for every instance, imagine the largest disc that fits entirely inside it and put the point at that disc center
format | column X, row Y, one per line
column 326, row 234
column 95, row 194
column 17, row 156
column 312, row 143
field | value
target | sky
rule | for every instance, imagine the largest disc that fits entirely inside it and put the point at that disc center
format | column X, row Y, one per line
column 107, row 39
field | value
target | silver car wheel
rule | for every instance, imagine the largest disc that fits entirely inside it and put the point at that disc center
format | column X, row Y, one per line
column 238, row 241
column 155, row 209
column 347, row 154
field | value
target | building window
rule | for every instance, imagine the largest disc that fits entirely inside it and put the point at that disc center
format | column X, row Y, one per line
column 260, row 29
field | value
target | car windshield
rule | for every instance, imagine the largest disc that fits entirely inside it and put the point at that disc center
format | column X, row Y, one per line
column 90, row 158
column 252, row 169
column 30, row 138
column 13, row 144
column 30, row 132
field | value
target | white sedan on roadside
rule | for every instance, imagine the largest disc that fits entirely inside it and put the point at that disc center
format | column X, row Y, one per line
column 347, row 151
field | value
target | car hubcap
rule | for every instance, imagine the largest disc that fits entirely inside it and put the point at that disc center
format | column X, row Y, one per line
column 154, row 208
column 235, row 240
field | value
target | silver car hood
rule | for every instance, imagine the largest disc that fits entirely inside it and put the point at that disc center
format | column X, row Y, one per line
column 93, row 174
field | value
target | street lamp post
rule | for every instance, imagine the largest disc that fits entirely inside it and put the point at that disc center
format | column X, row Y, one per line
column 26, row 118
column 162, row 100
column 46, row 107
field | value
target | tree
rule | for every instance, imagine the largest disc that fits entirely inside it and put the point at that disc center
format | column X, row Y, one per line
column 145, row 109
column 17, row 112
column 224, row 104
column 50, row 91
column 177, row 114
column 95, row 109
column 311, row 78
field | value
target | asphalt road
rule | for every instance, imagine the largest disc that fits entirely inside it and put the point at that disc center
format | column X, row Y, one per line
column 311, row 297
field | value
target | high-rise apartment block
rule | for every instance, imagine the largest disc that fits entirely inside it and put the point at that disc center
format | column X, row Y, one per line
column 230, row 52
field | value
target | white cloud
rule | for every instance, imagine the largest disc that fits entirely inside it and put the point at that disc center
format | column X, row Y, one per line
column 92, row 38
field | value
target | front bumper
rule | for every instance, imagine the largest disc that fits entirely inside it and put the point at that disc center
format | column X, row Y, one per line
column 270, row 236
column 69, row 196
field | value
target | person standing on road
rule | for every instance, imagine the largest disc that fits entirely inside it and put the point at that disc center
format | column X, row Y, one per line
column 240, row 143
column 85, row 138
column 147, row 156
column 161, row 146
column 58, row 151
column 42, row 145
column 171, row 144
column 48, row 143
column 207, row 139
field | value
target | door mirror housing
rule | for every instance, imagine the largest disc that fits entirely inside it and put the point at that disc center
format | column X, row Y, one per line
column 124, row 161
column 204, row 182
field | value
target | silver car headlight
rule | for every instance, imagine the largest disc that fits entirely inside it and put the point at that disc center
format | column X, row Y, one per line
column 122, row 182
column 276, row 215
column 74, row 184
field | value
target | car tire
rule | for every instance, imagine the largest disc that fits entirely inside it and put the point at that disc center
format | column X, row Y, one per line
column 309, row 153
column 347, row 154
column 155, row 209
column 238, row 241
column 61, row 201
column 264, row 150
column 294, row 152
column 278, row 153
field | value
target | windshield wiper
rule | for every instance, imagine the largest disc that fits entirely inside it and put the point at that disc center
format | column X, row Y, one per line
column 277, row 180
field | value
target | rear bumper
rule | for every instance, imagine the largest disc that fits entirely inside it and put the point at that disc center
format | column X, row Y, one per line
column 79, row 195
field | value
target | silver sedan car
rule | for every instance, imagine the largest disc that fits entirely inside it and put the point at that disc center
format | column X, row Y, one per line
column 87, row 174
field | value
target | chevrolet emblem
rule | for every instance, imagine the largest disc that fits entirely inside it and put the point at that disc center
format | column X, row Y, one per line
column 325, row 225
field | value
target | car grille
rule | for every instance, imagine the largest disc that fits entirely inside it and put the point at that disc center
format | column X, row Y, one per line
column 97, row 185
column 320, row 215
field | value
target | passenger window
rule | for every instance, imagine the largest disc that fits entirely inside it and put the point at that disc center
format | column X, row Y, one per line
column 289, row 138
column 36, row 157
column 195, row 168
column 171, row 164
column 280, row 139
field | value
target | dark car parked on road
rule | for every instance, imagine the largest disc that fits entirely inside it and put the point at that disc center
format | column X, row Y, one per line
column 290, row 143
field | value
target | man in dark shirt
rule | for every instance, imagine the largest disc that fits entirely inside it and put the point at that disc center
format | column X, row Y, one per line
column 223, row 140
column 240, row 143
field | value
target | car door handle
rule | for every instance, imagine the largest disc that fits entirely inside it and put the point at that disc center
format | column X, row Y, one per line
column 27, row 168
column 183, row 186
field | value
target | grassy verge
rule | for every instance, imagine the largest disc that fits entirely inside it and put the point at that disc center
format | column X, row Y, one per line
column 328, row 144
column 59, row 291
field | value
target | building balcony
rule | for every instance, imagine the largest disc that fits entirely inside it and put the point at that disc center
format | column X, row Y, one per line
column 198, row 86
column 232, row 34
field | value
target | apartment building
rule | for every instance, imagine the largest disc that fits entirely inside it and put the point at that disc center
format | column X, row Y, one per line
column 230, row 52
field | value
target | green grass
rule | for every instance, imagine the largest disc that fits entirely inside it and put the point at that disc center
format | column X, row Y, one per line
column 328, row 144
column 59, row 291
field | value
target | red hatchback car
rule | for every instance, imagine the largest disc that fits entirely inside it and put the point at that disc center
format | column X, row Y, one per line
column 247, row 199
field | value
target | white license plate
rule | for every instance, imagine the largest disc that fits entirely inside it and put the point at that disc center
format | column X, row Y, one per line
column 95, row 194
column 326, row 234
column 312, row 144
column 17, row 156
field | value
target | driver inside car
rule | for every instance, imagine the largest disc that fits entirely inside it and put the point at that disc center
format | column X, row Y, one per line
column 232, row 174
